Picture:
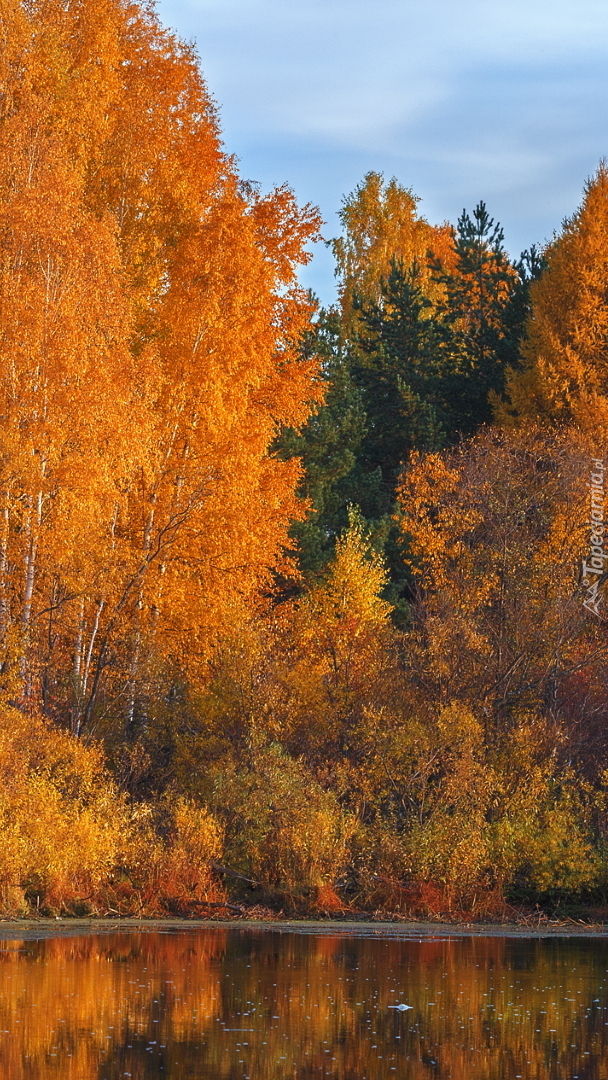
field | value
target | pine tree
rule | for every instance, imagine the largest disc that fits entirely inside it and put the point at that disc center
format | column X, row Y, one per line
column 397, row 365
column 478, row 294
column 328, row 446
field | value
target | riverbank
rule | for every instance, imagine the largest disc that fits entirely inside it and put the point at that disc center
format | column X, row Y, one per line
column 34, row 929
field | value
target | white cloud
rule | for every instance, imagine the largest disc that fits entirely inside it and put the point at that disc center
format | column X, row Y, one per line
column 342, row 67
column 462, row 99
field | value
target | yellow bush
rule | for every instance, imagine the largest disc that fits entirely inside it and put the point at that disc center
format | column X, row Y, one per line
column 70, row 841
column 166, row 860
column 62, row 820
column 282, row 827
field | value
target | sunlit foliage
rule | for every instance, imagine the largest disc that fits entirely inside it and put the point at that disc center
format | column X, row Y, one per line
column 563, row 374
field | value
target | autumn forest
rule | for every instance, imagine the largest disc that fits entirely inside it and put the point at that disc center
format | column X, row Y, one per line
column 300, row 608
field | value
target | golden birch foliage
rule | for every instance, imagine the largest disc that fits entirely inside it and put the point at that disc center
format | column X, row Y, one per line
column 564, row 373
column 276, row 726
column 381, row 223
column 70, row 841
column 341, row 639
column 222, row 314
column 347, row 607
column 433, row 518
column 345, row 612
column 149, row 317
column 449, row 752
column 231, row 378
column 299, row 677
column 68, row 390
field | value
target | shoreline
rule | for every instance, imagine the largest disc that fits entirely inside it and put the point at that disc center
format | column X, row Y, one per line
column 37, row 929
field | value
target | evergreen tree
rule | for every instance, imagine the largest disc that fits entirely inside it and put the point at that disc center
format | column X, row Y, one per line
column 397, row 366
column 410, row 366
column 328, row 446
column 383, row 401
column 530, row 266
column 479, row 291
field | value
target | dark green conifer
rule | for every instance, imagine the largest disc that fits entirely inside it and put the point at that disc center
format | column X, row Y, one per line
column 478, row 294
column 414, row 375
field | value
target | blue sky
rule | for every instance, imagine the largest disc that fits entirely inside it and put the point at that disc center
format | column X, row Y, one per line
column 461, row 100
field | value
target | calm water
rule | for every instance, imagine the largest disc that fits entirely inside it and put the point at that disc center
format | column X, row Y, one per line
column 270, row 1005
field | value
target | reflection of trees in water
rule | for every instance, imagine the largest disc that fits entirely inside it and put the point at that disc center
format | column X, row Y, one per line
column 90, row 1007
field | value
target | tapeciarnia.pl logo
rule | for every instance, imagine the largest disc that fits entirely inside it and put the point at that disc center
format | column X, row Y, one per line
column 593, row 564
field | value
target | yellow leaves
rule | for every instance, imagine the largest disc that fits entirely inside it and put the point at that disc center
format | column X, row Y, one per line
column 303, row 676
column 280, row 823
column 341, row 635
column 380, row 224
column 68, row 833
column 170, row 866
column 349, row 604
column 459, row 728
column 63, row 820
column 546, row 834
column 196, row 832
column 150, row 321
column 452, row 850
column 446, row 785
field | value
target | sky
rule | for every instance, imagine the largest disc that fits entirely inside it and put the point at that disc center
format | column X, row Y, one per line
column 460, row 100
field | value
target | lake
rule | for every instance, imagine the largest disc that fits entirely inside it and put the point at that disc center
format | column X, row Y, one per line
column 227, row 1003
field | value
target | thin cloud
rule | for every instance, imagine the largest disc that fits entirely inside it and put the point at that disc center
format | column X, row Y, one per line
column 460, row 101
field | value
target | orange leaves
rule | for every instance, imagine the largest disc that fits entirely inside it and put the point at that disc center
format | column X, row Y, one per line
column 496, row 532
column 431, row 520
column 149, row 321
column 283, row 229
column 565, row 374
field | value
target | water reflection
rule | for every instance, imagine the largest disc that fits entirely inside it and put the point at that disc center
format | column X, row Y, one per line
column 265, row 1005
